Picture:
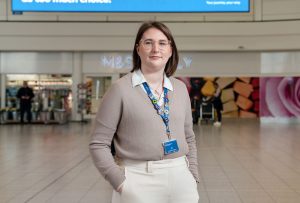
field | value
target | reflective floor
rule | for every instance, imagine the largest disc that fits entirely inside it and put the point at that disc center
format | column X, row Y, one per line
column 242, row 161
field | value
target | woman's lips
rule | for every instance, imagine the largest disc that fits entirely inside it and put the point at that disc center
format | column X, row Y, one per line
column 154, row 57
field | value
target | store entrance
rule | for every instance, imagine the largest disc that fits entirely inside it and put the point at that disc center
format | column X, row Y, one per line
column 51, row 102
column 96, row 86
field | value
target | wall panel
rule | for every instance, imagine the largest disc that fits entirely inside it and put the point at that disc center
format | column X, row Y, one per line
column 221, row 64
column 274, row 63
column 281, row 10
column 82, row 36
column 36, row 62
column 190, row 64
column 3, row 14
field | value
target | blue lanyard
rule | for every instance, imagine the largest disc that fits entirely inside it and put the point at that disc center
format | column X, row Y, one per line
column 164, row 114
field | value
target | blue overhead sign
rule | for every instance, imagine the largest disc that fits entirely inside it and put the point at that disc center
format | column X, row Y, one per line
column 167, row 6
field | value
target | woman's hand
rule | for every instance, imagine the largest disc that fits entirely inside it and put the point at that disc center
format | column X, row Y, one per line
column 120, row 188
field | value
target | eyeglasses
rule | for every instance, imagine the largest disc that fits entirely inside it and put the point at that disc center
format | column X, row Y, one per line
column 149, row 44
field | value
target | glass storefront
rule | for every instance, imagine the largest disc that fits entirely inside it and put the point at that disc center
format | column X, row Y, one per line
column 96, row 88
column 52, row 101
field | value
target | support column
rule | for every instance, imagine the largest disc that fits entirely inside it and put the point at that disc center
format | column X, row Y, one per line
column 257, row 10
column 76, row 78
column 3, row 87
column 2, row 83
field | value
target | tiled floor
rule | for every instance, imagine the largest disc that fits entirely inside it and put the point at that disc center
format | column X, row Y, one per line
column 243, row 161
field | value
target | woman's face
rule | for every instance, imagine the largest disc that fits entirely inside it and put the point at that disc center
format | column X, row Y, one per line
column 154, row 50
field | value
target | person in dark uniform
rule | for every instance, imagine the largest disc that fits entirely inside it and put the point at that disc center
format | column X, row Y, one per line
column 218, row 105
column 25, row 95
column 195, row 103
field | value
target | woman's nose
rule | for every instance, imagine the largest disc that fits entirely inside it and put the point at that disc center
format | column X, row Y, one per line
column 155, row 47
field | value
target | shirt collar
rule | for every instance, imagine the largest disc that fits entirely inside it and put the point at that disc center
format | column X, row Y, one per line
column 138, row 79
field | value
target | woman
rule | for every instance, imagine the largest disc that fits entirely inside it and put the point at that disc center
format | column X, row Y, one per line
column 147, row 114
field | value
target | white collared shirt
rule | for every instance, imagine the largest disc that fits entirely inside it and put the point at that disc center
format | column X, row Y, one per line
column 138, row 79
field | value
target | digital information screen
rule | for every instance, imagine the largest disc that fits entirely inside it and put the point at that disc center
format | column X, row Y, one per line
column 164, row 6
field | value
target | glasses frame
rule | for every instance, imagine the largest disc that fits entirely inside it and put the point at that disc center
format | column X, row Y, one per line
column 142, row 43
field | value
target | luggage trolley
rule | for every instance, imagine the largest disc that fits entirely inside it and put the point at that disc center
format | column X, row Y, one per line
column 207, row 111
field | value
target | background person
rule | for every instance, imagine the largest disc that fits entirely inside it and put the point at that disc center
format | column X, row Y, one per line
column 150, row 112
column 218, row 105
column 25, row 95
column 195, row 103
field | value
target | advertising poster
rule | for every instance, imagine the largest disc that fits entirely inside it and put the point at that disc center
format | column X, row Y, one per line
column 240, row 96
column 280, row 97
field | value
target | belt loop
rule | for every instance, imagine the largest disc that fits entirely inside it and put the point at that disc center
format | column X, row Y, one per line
column 149, row 166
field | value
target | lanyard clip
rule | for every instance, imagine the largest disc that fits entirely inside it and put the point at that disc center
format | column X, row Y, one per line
column 169, row 135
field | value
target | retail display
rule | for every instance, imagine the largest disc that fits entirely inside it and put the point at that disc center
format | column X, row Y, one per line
column 244, row 103
column 84, row 96
column 240, row 96
column 242, row 88
column 52, row 101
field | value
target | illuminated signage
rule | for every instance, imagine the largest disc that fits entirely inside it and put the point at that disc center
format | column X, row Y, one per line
column 166, row 6
column 116, row 61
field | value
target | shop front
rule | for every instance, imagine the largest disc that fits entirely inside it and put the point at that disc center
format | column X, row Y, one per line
column 52, row 100
column 49, row 75
column 71, row 85
column 67, row 85
column 100, row 70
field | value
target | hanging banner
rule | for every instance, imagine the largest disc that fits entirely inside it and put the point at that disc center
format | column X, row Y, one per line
column 185, row 6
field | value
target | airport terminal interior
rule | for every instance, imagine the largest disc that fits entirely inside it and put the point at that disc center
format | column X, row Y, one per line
column 70, row 60
column 243, row 161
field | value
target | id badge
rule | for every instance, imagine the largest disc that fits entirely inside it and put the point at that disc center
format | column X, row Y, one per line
column 170, row 146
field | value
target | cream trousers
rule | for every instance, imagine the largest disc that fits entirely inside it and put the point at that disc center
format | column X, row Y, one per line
column 164, row 181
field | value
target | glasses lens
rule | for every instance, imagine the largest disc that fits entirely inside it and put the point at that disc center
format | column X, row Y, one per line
column 162, row 44
column 147, row 44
